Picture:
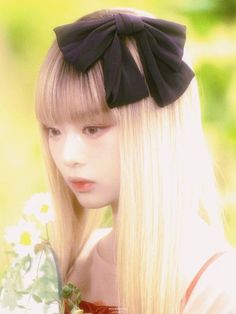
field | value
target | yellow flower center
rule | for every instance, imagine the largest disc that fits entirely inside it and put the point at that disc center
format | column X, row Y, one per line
column 44, row 209
column 25, row 238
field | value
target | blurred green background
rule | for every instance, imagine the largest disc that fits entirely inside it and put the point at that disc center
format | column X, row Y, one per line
column 25, row 35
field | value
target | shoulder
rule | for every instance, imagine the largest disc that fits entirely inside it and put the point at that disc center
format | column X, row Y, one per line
column 84, row 258
column 95, row 236
column 215, row 290
column 221, row 273
column 199, row 243
column 82, row 271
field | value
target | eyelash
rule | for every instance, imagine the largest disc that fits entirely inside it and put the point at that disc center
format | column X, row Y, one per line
column 51, row 129
column 94, row 127
column 88, row 127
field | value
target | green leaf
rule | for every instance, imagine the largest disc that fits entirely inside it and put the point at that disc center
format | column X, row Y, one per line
column 70, row 285
column 26, row 263
column 21, row 292
column 37, row 298
column 67, row 291
column 22, row 307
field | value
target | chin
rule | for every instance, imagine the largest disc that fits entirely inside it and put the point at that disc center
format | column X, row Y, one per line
column 92, row 204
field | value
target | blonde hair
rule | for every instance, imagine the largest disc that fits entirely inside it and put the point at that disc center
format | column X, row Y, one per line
column 166, row 176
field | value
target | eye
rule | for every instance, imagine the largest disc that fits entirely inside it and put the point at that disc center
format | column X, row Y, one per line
column 93, row 130
column 52, row 132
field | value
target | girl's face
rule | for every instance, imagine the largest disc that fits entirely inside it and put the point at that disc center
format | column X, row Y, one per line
column 89, row 151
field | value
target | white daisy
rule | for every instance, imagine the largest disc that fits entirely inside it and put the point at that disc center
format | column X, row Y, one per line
column 40, row 206
column 23, row 236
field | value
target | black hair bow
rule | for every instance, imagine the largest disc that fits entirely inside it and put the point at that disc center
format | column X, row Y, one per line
column 160, row 45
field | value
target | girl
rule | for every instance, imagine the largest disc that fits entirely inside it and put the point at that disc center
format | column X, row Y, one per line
column 119, row 113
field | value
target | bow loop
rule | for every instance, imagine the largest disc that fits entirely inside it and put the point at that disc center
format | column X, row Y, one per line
column 128, row 24
column 167, row 41
column 83, row 43
column 160, row 45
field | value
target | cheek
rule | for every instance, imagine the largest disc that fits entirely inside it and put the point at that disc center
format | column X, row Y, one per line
column 110, row 168
column 54, row 151
column 112, row 164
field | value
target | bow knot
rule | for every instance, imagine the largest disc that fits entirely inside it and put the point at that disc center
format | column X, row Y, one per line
column 160, row 46
column 128, row 24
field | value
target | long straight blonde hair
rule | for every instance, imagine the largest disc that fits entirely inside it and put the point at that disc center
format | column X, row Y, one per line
column 166, row 175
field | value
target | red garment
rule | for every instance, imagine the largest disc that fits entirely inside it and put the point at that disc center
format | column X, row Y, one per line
column 94, row 308
column 98, row 308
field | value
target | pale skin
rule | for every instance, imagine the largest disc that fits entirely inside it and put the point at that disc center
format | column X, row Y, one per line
column 92, row 151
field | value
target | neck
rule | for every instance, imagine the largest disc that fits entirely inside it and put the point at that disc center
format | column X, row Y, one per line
column 107, row 245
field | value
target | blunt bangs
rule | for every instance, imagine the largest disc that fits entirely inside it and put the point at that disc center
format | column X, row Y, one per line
column 66, row 96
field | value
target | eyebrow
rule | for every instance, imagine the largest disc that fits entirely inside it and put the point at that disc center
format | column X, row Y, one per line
column 94, row 115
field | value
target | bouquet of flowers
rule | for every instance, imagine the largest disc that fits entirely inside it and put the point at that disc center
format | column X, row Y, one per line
column 31, row 283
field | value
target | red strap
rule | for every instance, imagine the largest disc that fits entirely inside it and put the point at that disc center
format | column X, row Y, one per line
column 197, row 277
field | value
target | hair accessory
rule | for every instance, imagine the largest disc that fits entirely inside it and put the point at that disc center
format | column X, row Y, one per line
column 160, row 45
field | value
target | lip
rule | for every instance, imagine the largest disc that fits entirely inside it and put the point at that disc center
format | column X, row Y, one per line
column 78, row 179
column 81, row 184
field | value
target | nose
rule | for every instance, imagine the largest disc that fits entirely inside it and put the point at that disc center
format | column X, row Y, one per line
column 74, row 150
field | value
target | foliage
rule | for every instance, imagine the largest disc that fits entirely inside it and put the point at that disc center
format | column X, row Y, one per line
column 72, row 296
column 31, row 283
